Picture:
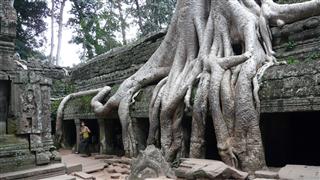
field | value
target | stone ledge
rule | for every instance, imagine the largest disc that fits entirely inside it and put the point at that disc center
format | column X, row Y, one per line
column 36, row 173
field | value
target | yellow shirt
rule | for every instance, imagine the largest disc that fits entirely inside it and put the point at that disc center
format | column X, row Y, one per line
column 85, row 135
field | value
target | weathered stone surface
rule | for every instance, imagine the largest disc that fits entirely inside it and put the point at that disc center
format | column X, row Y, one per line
column 104, row 156
column 122, row 160
column 116, row 65
column 88, row 165
column 291, row 88
column 36, row 173
column 73, row 168
column 115, row 175
column 25, row 101
column 207, row 169
column 159, row 178
column 266, row 174
column 299, row 172
column 150, row 164
column 84, row 175
column 298, row 41
column 286, row 88
column 55, row 156
column 14, row 153
column 62, row 177
column 42, row 158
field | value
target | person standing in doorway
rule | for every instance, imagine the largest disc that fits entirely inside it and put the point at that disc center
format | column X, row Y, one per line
column 85, row 140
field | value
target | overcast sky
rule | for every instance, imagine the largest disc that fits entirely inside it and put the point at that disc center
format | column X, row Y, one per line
column 70, row 52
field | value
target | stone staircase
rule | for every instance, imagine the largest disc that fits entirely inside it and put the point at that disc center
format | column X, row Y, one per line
column 15, row 154
column 42, row 172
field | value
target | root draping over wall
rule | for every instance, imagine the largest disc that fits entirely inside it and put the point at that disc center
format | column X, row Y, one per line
column 222, row 48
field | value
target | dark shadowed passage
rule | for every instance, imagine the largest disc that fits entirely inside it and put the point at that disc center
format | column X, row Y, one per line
column 291, row 138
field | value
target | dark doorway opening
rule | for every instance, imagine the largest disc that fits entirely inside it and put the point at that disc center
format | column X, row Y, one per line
column 113, row 134
column 5, row 88
column 93, row 125
column 70, row 134
column 141, row 128
column 186, row 128
column 211, row 141
column 291, row 138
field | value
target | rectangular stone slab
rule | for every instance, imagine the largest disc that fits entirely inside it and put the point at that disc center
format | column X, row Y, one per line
column 299, row 172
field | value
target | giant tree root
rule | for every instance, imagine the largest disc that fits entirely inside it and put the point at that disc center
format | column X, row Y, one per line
column 60, row 111
column 198, row 52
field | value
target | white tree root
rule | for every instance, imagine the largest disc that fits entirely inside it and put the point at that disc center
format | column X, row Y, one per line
column 62, row 105
column 199, row 43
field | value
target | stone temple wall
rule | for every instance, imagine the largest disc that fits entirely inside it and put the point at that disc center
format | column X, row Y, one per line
column 25, row 93
column 294, row 87
column 116, row 65
column 285, row 88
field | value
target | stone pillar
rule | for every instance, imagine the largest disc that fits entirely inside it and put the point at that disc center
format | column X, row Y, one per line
column 102, row 136
column 77, row 123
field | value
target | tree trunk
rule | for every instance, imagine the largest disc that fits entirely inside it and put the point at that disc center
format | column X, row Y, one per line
column 197, row 53
column 122, row 22
column 60, row 23
column 139, row 15
column 51, row 58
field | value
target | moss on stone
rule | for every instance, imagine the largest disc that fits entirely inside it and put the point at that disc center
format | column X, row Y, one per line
column 54, row 108
column 12, row 125
column 292, row 60
column 81, row 104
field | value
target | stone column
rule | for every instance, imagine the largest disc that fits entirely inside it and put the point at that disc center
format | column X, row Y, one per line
column 102, row 135
column 77, row 123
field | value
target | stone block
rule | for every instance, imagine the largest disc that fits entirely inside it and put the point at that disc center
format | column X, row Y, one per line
column 36, row 173
column 55, row 156
column 73, row 168
column 115, row 175
column 43, row 158
column 300, row 172
column 266, row 174
column 61, row 177
column 84, row 175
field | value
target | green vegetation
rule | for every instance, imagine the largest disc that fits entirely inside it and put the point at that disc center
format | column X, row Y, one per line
column 292, row 60
column 54, row 108
column 291, row 45
column 96, row 22
column 63, row 87
column 313, row 56
column 31, row 26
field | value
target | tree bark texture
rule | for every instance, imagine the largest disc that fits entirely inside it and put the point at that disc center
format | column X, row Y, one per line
column 198, row 52
column 51, row 58
column 60, row 25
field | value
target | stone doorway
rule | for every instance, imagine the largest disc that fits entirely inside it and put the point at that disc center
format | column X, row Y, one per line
column 113, row 134
column 291, row 138
column 94, row 135
column 5, row 87
column 70, row 134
